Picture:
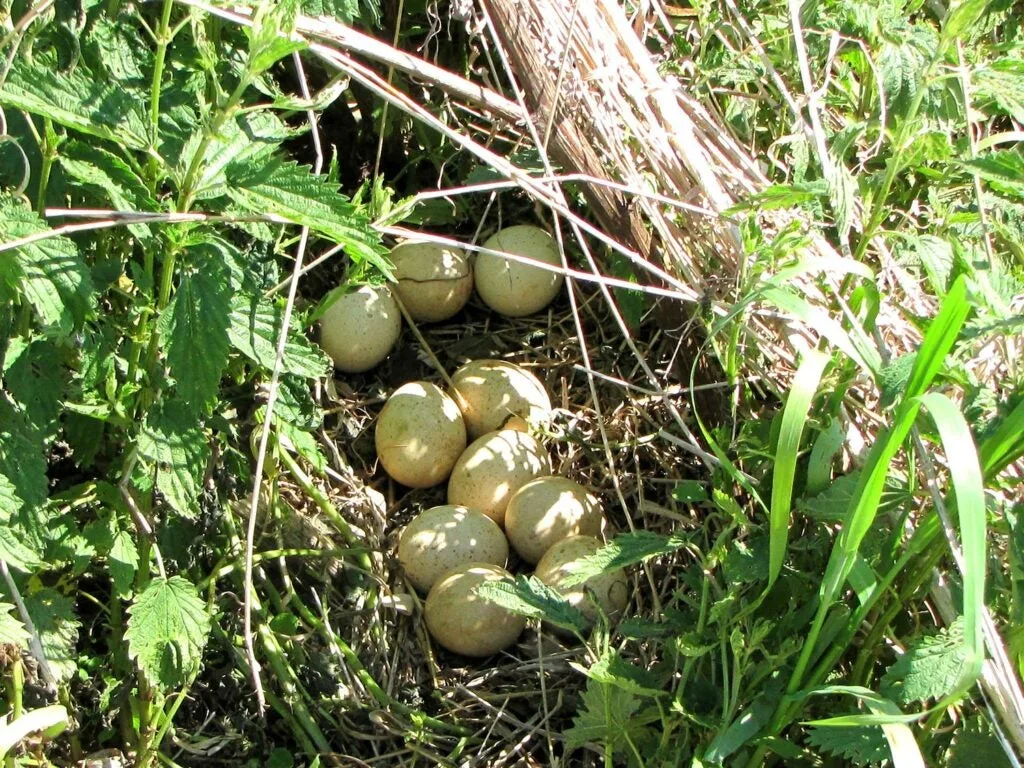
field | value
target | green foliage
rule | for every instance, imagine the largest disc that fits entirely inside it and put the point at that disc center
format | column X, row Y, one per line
column 529, row 596
column 167, row 631
column 930, row 669
column 859, row 744
column 613, row 716
column 622, row 551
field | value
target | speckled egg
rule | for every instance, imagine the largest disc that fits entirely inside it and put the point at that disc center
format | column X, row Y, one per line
column 419, row 435
column 444, row 537
column 547, row 510
column 466, row 623
column 495, row 466
column 515, row 288
column 359, row 329
column 434, row 281
column 491, row 392
column 611, row 590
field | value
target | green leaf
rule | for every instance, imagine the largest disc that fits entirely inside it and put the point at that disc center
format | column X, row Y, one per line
column 747, row 561
column 101, row 171
column 893, row 378
column 826, row 447
column 16, row 549
column 612, row 669
column 1001, row 82
column 529, row 596
column 255, row 326
column 794, row 416
column 961, row 18
column 12, row 631
column 902, row 63
column 36, row 379
column 1002, row 168
column 270, row 34
column 167, row 630
column 123, row 562
column 78, row 100
column 930, row 669
column 609, row 715
column 54, row 618
column 936, row 257
column 624, row 550
column 689, row 492
column 48, row 721
column 289, row 190
column 345, row 11
column 975, row 744
column 194, row 328
column 744, row 727
column 1005, row 444
column 47, row 271
column 857, row 744
column 171, row 439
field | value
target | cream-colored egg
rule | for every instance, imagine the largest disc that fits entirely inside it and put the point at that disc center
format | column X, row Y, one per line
column 611, row 590
column 547, row 510
column 491, row 392
column 515, row 288
column 441, row 538
column 419, row 435
column 434, row 281
column 466, row 623
column 360, row 328
column 495, row 466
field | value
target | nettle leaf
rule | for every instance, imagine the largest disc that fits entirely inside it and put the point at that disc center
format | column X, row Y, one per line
column 270, row 34
column 167, row 630
column 78, row 100
column 54, row 618
column 255, row 326
column 624, row 550
column 15, row 548
column 116, row 46
column 345, row 11
column 530, row 597
column 175, row 443
column 612, row 669
column 893, row 378
column 859, row 744
column 1002, row 84
column 36, row 379
column 609, row 715
column 123, row 562
column 194, row 329
column 974, row 744
column 248, row 139
column 48, row 272
column 21, row 460
column 1003, row 169
column 903, row 61
column 106, row 173
column 12, row 631
column 931, row 668
column 290, row 190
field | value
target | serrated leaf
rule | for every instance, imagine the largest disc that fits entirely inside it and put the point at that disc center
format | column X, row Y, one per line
column 194, row 329
column 530, row 597
column 1003, row 169
column 54, row 618
column 106, row 173
column 1002, row 83
column 975, row 744
column 123, row 561
column 931, row 668
column 610, row 716
column 248, row 139
column 270, row 34
column 936, row 255
column 12, row 631
column 78, row 100
column 893, row 378
column 48, row 272
column 345, row 11
column 36, row 380
column 167, row 630
column 689, row 492
column 21, row 461
column 255, row 326
column 860, row 744
column 961, row 18
column 902, row 64
column 622, row 551
column 175, row 444
column 290, row 190
column 612, row 669
column 747, row 561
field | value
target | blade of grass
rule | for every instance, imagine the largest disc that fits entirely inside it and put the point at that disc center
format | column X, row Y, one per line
column 968, row 484
column 794, row 417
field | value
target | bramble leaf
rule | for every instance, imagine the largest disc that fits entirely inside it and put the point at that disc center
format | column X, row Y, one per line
column 194, row 327
column 48, row 271
column 167, row 629
column 931, row 668
column 172, row 441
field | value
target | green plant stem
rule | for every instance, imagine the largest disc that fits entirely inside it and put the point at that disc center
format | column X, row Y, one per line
column 163, row 40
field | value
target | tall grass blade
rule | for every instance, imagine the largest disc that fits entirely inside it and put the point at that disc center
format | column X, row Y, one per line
column 794, row 418
column 969, row 486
